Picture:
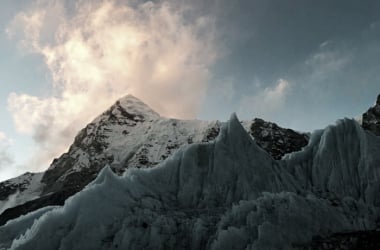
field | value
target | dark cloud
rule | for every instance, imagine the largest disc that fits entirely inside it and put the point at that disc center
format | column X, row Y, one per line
column 267, row 37
column 341, row 78
column 327, row 50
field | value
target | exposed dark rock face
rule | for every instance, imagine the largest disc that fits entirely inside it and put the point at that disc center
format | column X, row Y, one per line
column 53, row 199
column 211, row 133
column 8, row 187
column 371, row 118
column 275, row 140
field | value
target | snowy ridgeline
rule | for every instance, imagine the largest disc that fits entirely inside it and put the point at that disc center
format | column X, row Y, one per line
column 226, row 194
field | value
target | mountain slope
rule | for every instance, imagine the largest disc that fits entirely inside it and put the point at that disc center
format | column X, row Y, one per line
column 225, row 194
column 19, row 190
column 129, row 134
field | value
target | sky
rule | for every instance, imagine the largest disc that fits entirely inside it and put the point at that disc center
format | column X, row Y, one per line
column 300, row 63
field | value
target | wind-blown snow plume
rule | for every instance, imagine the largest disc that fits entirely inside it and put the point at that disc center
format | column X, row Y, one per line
column 99, row 51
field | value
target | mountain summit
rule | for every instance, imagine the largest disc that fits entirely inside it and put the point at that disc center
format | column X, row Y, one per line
column 129, row 107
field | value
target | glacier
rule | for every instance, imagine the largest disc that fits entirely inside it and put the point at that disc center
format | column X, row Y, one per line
column 224, row 194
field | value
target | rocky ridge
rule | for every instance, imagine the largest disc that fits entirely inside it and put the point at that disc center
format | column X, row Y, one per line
column 276, row 140
column 371, row 118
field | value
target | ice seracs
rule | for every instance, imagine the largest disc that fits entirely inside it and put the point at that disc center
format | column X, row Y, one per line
column 224, row 194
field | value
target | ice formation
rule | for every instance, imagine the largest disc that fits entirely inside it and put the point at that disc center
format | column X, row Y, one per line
column 225, row 194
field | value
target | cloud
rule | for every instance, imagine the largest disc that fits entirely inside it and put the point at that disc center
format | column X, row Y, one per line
column 98, row 51
column 6, row 160
column 224, row 90
column 265, row 103
column 3, row 137
column 323, row 64
column 338, row 79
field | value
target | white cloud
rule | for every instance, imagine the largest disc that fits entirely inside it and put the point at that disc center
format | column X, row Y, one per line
column 2, row 136
column 325, row 63
column 5, row 141
column 6, row 160
column 100, row 51
column 267, row 102
column 325, row 43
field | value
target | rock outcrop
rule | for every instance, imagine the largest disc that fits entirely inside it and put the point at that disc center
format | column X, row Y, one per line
column 371, row 118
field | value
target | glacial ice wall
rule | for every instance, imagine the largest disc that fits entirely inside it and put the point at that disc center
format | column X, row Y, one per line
column 227, row 194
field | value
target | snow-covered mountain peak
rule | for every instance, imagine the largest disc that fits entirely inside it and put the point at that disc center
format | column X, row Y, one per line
column 136, row 106
column 128, row 108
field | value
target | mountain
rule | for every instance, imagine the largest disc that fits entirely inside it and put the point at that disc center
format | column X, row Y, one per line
column 127, row 135
column 215, row 185
column 371, row 118
column 275, row 140
column 224, row 194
